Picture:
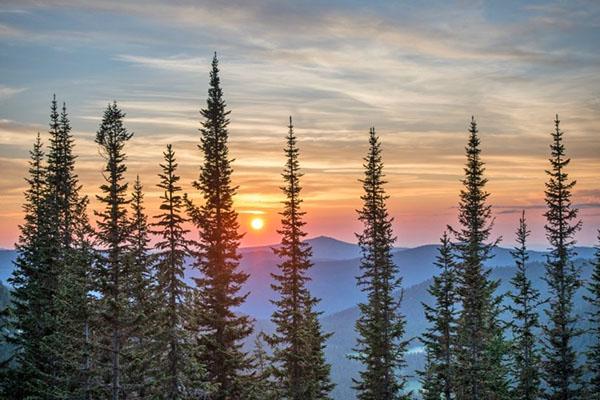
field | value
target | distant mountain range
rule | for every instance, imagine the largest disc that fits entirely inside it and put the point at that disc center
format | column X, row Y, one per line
column 336, row 264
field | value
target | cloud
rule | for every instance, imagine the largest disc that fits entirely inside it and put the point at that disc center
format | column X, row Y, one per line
column 6, row 91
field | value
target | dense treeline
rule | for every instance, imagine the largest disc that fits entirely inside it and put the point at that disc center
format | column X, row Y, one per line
column 101, row 314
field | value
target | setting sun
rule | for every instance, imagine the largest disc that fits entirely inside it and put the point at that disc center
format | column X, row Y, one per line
column 257, row 223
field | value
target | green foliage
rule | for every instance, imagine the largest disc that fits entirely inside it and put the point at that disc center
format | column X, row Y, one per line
column 593, row 352
column 178, row 376
column 438, row 377
column 479, row 367
column 222, row 330
column 525, row 355
column 116, row 319
column 299, row 369
column 380, row 346
column 562, row 374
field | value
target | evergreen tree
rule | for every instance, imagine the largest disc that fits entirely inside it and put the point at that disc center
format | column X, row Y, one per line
column 263, row 387
column 562, row 373
column 113, row 233
column 480, row 371
column 593, row 353
column 380, row 326
column 222, row 328
column 178, row 379
column 525, row 323
column 300, row 369
column 27, row 320
column 73, row 342
column 319, row 385
column 438, row 377
column 141, row 286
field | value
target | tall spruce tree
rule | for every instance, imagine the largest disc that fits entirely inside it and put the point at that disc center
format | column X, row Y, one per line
column 562, row 373
column 439, row 339
column 70, row 243
column 113, row 233
column 380, row 326
column 300, row 369
column 222, row 327
column 178, row 378
column 141, row 346
column 479, row 368
column 593, row 353
column 525, row 355
column 27, row 327
column 73, row 341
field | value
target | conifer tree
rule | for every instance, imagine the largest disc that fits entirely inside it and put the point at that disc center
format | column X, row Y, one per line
column 299, row 369
column 29, row 297
column 525, row 323
column 593, row 353
column 263, row 387
column 562, row 374
column 318, row 370
column 141, row 286
column 178, row 379
column 113, row 233
column 73, row 342
column 222, row 327
column 480, row 370
column 380, row 326
column 439, row 339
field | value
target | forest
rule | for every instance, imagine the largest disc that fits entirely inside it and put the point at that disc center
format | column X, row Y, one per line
column 99, row 306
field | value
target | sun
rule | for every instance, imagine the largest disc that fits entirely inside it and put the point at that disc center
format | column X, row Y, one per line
column 257, row 223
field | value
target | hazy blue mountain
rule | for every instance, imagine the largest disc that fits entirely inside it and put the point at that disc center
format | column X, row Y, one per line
column 7, row 258
column 344, row 337
column 333, row 275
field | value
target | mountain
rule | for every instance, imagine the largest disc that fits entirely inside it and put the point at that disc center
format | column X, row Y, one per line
column 341, row 324
column 336, row 264
column 7, row 258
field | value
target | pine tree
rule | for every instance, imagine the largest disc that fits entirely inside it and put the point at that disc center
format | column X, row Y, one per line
column 480, row 370
column 299, row 367
column 141, row 286
column 525, row 323
column 263, row 387
column 562, row 373
column 69, row 242
column 178, row 378
column 319, row 385
column 380, row 326
column 438, row 377
column 222, row 328
column 113, row 233
column 29, row 296
column 593, row 353
column 74, row 306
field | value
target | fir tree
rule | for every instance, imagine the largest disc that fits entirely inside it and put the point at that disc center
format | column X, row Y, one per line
column 593, row 353
column 222, row 328
column 562, row 373
column 113, row 234
column 525, row 323
column 439, row 339
column 29, row 296
column 178, row 379
column 300, row 369
column 380, row 326
column 141, row 286
column 74, row 306
column 263, row 387
column 480, row 371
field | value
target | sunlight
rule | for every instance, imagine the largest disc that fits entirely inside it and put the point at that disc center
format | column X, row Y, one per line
column 257, row 223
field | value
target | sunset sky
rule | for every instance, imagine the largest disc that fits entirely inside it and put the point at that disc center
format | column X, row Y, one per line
column 417, row 73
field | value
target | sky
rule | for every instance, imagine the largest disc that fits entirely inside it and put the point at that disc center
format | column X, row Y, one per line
column 417, row 71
